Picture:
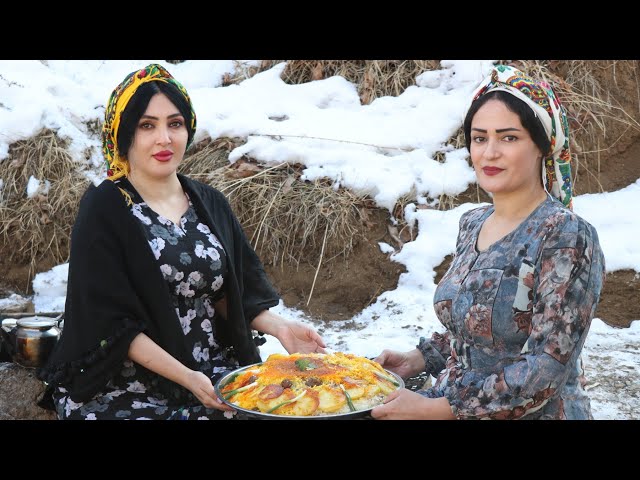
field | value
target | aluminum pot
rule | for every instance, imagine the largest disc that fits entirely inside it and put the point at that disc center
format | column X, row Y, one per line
column 35, row 338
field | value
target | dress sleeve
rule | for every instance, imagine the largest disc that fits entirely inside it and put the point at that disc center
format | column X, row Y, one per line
column 435, row 351
column 567, row 289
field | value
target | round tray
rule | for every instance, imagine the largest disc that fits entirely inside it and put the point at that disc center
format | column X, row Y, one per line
column 273, row 416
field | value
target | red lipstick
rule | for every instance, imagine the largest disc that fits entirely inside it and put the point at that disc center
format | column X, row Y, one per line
column 163, row 156
column 491, row 171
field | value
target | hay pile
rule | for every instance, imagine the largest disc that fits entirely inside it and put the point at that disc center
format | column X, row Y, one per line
column 594, row 114
column 286, row 219
column 374, row 78
column 584, row 87
column 38, row 228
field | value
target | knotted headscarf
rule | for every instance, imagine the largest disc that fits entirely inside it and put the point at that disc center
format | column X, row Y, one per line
column 117, row 166
column 556, row 167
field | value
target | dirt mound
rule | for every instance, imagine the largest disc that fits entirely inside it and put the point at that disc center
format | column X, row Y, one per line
column 611, row 161
column 343, row 287
column 620, row 302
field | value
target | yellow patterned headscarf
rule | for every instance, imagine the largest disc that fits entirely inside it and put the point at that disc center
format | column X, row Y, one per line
column 556, row 167
column 117, row 166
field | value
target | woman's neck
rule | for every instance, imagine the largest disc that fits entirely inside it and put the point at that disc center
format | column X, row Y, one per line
column 518, row 205
column 153, row 189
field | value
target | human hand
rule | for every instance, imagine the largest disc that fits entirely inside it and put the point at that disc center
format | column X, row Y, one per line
column 402, row 404
column 405, row 364
column 296, row 337
column 200, row 385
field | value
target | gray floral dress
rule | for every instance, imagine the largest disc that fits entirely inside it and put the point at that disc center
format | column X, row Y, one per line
column 193, row 263
column 516, row 317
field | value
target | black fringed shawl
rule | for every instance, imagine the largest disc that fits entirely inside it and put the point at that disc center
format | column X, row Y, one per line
column 116, row 290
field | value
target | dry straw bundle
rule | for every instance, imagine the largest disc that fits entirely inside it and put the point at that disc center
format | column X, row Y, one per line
column 585, row 90
column 287, row 220
column 583, row 86
column 35, row 228
column 375, row 78
column 290, row 221
column 283, row 219
column 594, row 115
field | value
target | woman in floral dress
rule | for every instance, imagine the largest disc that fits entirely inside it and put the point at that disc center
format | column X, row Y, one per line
column 164, row 290
column 518, row 299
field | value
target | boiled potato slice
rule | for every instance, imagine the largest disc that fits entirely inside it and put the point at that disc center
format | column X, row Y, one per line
column 331, row 399
column 372, row 390
column 386, row 387
column 306, row 406
column 356, row 392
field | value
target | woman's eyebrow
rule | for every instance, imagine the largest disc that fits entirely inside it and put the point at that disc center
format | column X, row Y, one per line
column 500, row 130
column 156, row 118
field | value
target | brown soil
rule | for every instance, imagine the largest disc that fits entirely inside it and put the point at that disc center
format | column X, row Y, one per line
column 611, row 160
column 620, row 298
column 16, row 277
column 619, row 170
column 343, row 288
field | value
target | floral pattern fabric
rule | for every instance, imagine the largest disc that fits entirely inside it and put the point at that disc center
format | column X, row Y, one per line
column 193, row 263
column 516, row 317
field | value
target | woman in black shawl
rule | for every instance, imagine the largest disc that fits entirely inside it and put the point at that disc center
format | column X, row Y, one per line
column 164, row 289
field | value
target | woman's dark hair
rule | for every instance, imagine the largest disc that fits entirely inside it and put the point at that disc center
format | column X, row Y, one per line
column 529, row 121
column 138, row 105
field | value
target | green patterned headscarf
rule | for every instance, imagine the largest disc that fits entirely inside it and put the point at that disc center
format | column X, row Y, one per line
column 117, row 166
column 556, row 167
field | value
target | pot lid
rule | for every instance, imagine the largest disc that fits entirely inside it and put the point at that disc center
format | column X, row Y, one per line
column 36, row 322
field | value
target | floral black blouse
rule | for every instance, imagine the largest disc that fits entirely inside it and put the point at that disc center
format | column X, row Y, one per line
column 193, row 263
column 517, row 315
